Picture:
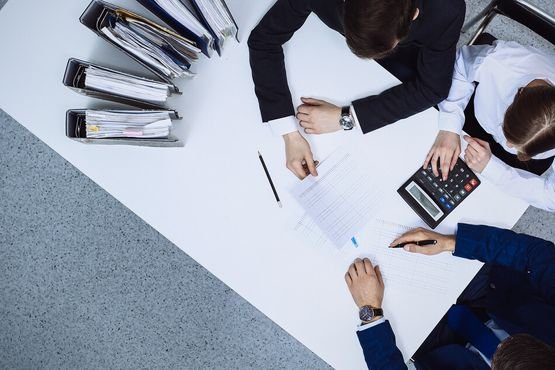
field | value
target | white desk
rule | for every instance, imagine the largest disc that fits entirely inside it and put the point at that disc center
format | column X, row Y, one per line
column 211, row 197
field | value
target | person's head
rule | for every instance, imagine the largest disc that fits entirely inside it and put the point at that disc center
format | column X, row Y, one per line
column 374, row 27
column 529, row 123
column 523, row 352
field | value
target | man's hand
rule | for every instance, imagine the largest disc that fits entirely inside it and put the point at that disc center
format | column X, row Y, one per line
column 318, row 117
column 446, row 148
column 445, row 243
column 365, row 283
column 477, row 153
column 298, row 155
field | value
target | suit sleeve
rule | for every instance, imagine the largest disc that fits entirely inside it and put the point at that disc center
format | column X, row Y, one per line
column 380, row 350
column 520, row 252
column 429, row 87
column 267, row 59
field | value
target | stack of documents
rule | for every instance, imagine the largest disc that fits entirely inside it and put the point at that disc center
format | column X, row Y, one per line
column 161, row 49
column 218, row 18
column 184, row 16
column 127, row 124
column 208, row 22
column 112, row 82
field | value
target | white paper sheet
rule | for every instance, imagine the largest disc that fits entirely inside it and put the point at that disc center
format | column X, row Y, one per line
column 399, row 267
column 340, row 200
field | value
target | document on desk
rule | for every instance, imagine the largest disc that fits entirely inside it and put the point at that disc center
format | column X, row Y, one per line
column 398, row 267
column 340, row 200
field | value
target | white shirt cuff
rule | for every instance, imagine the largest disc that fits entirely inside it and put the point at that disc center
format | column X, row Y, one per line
column 357, row 124
column 450, row 122
column 282, row 126
column 494, row 170
column 371, row 324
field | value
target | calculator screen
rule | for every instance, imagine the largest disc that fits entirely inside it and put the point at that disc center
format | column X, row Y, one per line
column 424, row 200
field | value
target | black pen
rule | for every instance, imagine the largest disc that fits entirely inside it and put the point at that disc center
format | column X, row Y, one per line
column 269, row 179
column 419, row 243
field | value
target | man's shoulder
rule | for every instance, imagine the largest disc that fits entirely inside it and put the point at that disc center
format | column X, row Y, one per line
column 448, row 10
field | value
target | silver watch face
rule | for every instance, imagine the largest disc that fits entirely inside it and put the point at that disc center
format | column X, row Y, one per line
column 366, row 313
column 346, row 122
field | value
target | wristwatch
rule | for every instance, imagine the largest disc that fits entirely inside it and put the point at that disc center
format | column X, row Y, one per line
column 346, row 121
column 368, row 313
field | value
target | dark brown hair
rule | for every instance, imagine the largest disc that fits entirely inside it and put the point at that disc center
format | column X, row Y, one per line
column 523, row 352
column 372, row 27
column 530, row 121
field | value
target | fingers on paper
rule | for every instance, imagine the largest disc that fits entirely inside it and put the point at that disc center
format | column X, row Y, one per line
column 379, row 275
column 368, row 266
column 352, row 271
column 297, row 168
column 348, row 279
column 311, row 166
column 409, row 236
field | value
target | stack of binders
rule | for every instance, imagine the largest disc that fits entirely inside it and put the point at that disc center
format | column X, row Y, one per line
column 201, row 26
column 132, row 127
column 109, row 84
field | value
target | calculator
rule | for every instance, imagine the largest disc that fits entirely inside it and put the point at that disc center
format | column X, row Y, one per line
column 432, row 198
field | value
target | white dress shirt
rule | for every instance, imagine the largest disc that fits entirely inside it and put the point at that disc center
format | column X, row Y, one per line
column 500, row 70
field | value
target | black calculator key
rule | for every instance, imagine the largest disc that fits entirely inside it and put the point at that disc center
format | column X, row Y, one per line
column 443, row 195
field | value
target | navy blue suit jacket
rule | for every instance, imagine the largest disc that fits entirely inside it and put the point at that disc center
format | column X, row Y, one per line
column 522, row 298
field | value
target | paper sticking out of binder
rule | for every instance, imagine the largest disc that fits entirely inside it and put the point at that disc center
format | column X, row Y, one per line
column 127, row 124
column 160, row 49
column 103, row 80
column 216, row 22
column 132, row 127
column 109, row 84
column 219, row 20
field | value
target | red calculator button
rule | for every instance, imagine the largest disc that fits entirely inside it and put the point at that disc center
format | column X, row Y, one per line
column 468, row 187
column 473, row 182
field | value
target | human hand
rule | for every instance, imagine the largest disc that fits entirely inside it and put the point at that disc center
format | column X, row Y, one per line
column 318, row 117
column 445, row 243
column 298, row 155
column 365, row 283
column 477, row 153
column 446, row 148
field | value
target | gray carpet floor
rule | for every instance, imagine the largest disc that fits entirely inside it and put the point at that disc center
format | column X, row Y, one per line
column 85, row 283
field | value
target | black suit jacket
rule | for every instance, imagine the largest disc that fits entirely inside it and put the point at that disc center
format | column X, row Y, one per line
column 435, row 33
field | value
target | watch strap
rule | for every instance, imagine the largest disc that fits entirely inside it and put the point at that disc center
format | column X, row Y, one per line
column 346, row 111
